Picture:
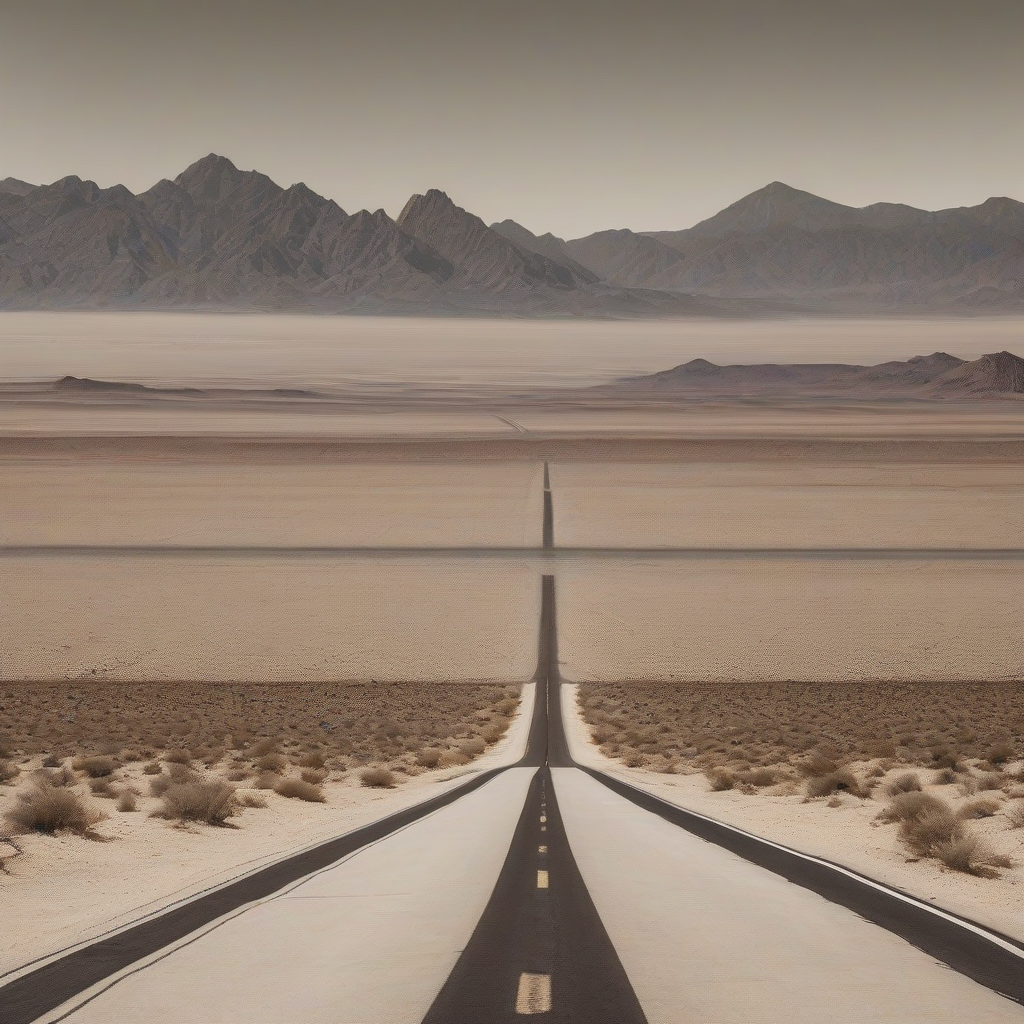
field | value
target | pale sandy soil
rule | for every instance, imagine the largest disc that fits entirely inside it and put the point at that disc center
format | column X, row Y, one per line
column 846, row 834
column 267, row 619
column 65, row 890
column 814, row 619
column 124, row 503
column 789, row 504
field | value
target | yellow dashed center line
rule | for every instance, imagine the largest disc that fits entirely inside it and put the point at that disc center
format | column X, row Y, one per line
column 542, row 849
column 534, row 994
column 542, row 879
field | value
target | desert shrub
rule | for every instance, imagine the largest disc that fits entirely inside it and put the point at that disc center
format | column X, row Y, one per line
column 981, row 807
column 264, row 746
column 720, row 779
column 970, row 854
column 127, row 801
column 429, row 757
column 101, row 787
column 911, row 805
column 60, row 777
column 52, row 761
column 453, row 759
column 818, row 763
column 841, row 781
column 95, row 767
column 271, row 763
column 313, row 759
column 153, row 768
column 211, row 802
column 251, row 800
column 473, row 748
column 313, row 777
column 178, row 756
column 50, row 809
column 377, row 778
column 1015, row 816
column 635, row 759
column 8, row 771
column 266, row 780
column 160, row 784
column 238, row 774
column 925, row 834
column 968, row 786
column 300, row 790
column 908, row 782
column 759, row 777
column 945, row 777
column 991, row 780
column 494, row 734
column 1000, row 752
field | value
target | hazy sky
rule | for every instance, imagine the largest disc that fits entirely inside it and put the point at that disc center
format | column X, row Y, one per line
column 566, row 115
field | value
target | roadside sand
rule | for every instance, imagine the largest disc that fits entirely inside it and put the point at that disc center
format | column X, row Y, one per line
column 266, row 620
column 800, row 504
column 845, row 834
column 816, row 619
column 124, row 503
column 65, row 890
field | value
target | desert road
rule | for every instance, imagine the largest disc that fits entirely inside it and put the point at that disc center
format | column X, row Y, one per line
column 542, row 889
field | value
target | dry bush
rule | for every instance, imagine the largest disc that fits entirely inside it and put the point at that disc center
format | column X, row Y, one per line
column 264, row 746
column 908, row 782
column 312, row 759
column 298, row 789
column 178, row 756
column 377, row 778
column 429, row 757
column 971, row 855
column 841, row 781
column 981, row 807
column 52, row 761
column 51, row 809
column 945, row 777
column 720, row 779
column 453, row 759
column 95, row 767
column 127, row 801
column 60, row 777
column 635, row 760
column 251, row 800
column 991, row 780
column 1015, row 816
column 759, row 777
column 313, row 777
column 266, row 780
column 925, row 834
column 101, row 787
column 473, row 748
column 8, row 771
column 271, row 763
column 911, row 805
column 1001, row 752
column 239, row 774
column 153, row 768
column 211, row 802
column 818, row 764
column 159, row 785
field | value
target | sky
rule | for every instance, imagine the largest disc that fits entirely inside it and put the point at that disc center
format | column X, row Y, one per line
column 568, row 116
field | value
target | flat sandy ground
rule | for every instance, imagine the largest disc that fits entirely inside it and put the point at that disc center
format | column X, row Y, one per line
column 213, row 503
column 64, row 889
column 267, row 619
column 813, row 619
column 847, row 834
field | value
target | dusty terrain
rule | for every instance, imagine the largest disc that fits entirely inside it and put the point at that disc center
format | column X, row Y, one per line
column 131, row 862
column 844, row 828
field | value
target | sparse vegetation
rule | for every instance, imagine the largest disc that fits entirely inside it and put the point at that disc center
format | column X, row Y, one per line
column 908, row 782
column 377, row 778
column 209, row 801
column 8, row 771
column 298, row 789
column 127, row 801
column 52, row 809
column 95, row 767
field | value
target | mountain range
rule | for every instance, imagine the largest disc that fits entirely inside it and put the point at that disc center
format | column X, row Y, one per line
column 939, row 375
column 216, row 237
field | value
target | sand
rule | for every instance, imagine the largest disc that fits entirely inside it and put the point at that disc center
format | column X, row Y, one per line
column 789, row 504
column 267, row 619
column 810, row 619
column 118, row 502
column 845, row 835
column 148, row 864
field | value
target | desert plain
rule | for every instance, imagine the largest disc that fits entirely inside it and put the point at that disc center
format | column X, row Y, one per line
column 372, row 538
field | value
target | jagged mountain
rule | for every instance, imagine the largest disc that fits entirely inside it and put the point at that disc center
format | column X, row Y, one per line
column 220, row 237
column 939, row 375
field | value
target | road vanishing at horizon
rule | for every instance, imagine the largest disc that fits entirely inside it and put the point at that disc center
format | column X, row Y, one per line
column 547, row 890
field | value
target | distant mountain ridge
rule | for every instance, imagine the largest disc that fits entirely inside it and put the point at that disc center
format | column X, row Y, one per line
column 939, row 375
column 216, row 237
